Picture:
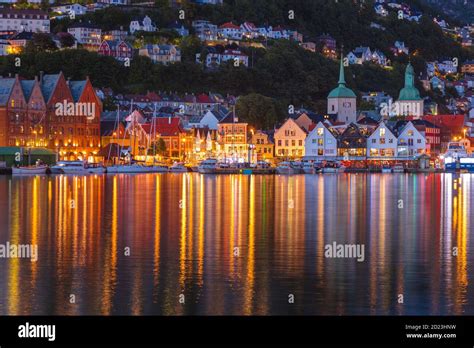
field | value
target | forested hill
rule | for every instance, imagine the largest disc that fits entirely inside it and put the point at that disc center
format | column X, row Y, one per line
column 282, row 71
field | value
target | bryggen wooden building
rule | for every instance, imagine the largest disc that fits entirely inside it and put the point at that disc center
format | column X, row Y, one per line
column 50, row 112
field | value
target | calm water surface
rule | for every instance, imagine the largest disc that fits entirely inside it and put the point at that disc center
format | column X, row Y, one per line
column 238, row 245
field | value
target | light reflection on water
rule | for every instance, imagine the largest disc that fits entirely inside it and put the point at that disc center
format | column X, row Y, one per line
column 237, row 245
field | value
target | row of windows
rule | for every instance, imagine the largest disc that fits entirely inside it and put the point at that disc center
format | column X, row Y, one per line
column 293, row 143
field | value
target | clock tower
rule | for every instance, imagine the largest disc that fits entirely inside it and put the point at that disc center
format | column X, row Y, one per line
column 342, row 100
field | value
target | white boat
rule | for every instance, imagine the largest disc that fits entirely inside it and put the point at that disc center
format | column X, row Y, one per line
column 309, row 167
column 286, row 168
column 136, row 168
column 178, row 168
column 386, row 170
column 29, row 170
column 208, row 166
column 456, row 158
column 77, row 167
column 398, row 168
column 333, row 167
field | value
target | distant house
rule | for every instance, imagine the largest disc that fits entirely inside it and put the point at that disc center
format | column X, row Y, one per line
column 327, row 45
column 70, row 9
column 468, row 67
column 162, row 54
column 230, row 31
column 179, row 28
column 19, row 40
column 115, row 2
column 117, row 34
column 205, row 30
column 359, row 55
column 86, row 34
column 215, row 59
column 24, row 20
column 381, row 10
column 118, row 49
column 379, row 58
column 144, row 24
column 399, row 48
column 249, row 30
column 438, row 84
column 309, row 46
column 447, row 66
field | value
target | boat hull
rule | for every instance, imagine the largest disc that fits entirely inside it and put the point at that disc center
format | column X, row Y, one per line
column 29, row 170
column 286, row 171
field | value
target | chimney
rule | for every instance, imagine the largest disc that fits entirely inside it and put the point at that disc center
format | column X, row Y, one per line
column 68, row 81
column 41, row 76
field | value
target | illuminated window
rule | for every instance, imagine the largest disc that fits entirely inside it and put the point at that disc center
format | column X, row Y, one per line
column 382, row 132
column 13, row 103
column 320, row 131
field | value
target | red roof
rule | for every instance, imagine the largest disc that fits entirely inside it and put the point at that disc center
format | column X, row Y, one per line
column 203, row 98
column 165, row 126
column 229, row 25
column 455, row 123
column 152, row 96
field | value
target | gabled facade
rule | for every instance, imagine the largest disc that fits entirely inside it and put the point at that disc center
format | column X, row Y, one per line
column 232, row 139
column 352, row 142
column 44, row 113
column 321, row 143
column 117, row 49
column 263, row 146
column 382, row 143
column 411, row 142
column 289, row 140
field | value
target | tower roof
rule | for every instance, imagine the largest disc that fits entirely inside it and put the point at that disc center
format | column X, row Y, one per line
column 341, row 91
column 409, row 92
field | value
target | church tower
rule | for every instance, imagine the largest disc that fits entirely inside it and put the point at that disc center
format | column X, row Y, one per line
column 342, row 100
column 409, row 102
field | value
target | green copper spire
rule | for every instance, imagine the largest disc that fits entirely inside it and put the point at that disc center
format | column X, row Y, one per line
column 409, row 92
column 341, row 91
column 342, row 80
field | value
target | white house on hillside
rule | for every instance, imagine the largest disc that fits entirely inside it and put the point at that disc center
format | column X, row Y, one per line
column 144, row 25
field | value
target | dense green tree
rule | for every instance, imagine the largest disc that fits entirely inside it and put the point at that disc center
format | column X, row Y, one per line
column 259, row 111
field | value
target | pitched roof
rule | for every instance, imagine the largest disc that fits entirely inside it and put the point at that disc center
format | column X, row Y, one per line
column 48, row 84
column 77, row 87
column 6, row 85
column 27, row 87
column 229, row 25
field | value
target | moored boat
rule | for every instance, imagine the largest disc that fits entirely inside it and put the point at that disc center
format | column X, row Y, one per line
column 398, row 168
column 30, row 170
column 178, row 167
column 208, row 166
column 77, row 167
column 286, row 168
column 333, row 167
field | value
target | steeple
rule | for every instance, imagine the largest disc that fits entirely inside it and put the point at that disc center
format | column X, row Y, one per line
column 409, row 92
column 409, row 76
column 341, row 91
column 342, row 80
